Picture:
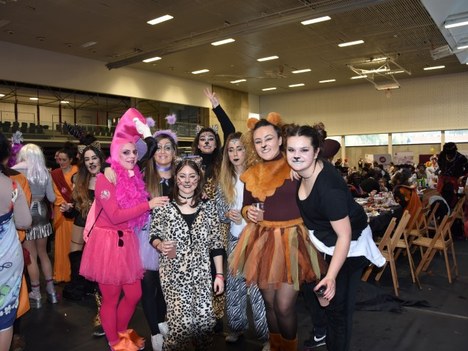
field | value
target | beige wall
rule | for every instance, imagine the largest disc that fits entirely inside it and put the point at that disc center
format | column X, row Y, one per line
column 434, row 103
column 26, row 65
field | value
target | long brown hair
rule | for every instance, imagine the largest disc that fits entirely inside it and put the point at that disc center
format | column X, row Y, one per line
column 81, row 180
column 197, row 195
column 151, row 176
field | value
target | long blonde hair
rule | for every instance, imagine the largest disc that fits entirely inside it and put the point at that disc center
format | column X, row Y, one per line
column 227, row 175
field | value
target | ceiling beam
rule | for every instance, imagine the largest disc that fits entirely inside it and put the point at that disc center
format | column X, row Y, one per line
column 264, row 22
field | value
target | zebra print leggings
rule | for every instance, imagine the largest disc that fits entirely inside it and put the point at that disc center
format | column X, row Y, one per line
column 237, row 293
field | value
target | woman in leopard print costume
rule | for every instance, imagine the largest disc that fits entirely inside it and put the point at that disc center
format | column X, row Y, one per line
column 186, row 231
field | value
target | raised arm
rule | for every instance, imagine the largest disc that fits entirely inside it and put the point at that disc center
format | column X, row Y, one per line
column 223, row 118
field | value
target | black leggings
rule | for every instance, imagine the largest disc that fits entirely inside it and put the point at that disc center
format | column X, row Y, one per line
column 152, row 300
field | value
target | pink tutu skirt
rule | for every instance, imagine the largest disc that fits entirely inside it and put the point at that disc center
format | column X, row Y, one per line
column 110, row 258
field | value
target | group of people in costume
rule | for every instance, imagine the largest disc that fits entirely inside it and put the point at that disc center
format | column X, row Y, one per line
column 196, row 236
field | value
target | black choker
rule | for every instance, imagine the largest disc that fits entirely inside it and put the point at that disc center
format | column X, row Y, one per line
column 163, row 169
column 185, row 198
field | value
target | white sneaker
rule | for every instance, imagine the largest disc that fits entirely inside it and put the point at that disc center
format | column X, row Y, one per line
column 163, row 328
column 232, row 337
column 266, row 346
column 157, row 342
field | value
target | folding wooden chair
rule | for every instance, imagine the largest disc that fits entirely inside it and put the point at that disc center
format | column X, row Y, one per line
column 388, row 250
column 442, row 241
column 382, row 245
column 403, row 243
column 431, row 219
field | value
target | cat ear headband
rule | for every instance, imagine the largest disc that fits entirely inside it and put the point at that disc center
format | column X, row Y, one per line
column 195, row 158
column 214, row 127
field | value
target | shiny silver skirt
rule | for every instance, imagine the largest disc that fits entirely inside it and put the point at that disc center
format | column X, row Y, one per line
column 41, row 226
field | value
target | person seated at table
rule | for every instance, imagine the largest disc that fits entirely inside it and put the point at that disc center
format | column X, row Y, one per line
column 405, row 194
column 370, row 182
column 431, row 198
column 354, row 185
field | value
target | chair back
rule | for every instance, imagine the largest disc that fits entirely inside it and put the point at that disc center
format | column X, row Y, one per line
column 398, row 233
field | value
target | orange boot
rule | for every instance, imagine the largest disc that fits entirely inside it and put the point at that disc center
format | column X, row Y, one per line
column 275, row 342
column 288, row 345
column 136, row 339
column 124, row 344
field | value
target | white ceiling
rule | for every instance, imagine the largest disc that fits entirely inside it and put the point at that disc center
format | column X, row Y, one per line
column 400, row 29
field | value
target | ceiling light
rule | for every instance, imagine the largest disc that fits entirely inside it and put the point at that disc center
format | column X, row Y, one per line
column 387, row 86
column 267, row 89
column 254, row 115
column 222, row 42
column 457, row 20
column 160, row 19
column 327, row 81
column 64, row 102
column 359, row 77
column 433, row 67
column 301, row 70
column 316, row 20
column 267, row 58
column 296, row 85
column 201, row 71
column 463, row 44
column 33, row 98
column 2, row 95
column 88, row 44
column 395, row 72
column 237, row 81
column 152, row 59
column 350, row 43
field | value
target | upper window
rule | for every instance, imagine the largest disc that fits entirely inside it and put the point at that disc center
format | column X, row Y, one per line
column 366, row 140
column 456, row 136
column 416, row 138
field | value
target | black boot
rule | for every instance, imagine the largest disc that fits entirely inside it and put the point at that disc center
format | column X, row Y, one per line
column 75, row 290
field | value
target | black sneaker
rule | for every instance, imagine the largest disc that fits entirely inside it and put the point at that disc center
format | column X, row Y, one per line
column 98, row 331
column 314, row 342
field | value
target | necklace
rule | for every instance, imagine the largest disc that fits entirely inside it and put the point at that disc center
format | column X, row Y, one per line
column 163, row 169
column 185, row 197
column 313, row 171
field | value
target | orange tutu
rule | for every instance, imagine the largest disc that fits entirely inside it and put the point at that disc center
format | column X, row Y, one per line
column 271, row 253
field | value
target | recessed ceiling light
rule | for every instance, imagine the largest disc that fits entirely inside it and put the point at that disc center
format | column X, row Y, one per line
column 327, row 81
column 359, row 77
column 301, row 70
column 296, row 85
column 237, row 81
column 160, row 19
column 222, row 42
column 268, row 58
column 433, row 67
column 316, row 20
column 267, row 89
column 350, row 43
column 33, row 98
column 152, row 59
column 64, row 102
column 88, row 44
column 201, row 71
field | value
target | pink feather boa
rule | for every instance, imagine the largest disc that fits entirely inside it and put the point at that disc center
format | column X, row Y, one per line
column 130, row 192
